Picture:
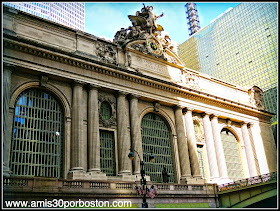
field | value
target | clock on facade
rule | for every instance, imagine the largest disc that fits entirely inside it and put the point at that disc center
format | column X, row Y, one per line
column 154, row 46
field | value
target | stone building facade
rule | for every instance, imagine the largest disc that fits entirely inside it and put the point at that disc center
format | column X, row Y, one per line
column 75, row 104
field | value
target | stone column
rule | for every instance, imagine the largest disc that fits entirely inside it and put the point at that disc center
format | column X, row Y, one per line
column 219, row 148
column 93, row 130
column 123, row 136
column 67, row 149
column 249, row 151
column 77, row 128
column 259, row 147
column 7, row 118
column 192, row 144
column 135, row 130
column 182, row 144
column 211, row 153
column 246, row 169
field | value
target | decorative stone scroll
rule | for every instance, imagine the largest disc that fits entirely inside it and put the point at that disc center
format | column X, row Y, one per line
column 256, row 97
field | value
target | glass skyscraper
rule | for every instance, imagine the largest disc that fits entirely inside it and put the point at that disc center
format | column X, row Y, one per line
column 239, row 47
column 65, row 13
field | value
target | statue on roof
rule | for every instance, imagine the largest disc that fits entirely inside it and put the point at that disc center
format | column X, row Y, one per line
column 146, row 19
column 143, row 25
column 146, row 36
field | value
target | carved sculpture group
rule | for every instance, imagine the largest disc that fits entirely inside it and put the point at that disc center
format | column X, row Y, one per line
column 143, row 25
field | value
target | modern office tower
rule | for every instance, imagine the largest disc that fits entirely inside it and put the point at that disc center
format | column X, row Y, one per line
column 240, row 47
column 67, row 14
column 192, row 18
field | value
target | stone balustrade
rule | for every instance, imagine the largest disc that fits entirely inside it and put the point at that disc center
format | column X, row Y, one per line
column 61, row 185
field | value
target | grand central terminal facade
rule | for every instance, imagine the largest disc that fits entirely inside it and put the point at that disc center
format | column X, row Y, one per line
column 75, row 105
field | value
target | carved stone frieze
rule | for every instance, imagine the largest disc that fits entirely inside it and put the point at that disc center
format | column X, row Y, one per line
column 111, row 100
column 106, row 53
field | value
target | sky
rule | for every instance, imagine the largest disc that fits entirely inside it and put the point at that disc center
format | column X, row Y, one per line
column 104, row 19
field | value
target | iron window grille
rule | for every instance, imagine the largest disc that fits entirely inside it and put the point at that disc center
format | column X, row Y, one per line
column 156, row 138
column 36, row 145
column 107, row 152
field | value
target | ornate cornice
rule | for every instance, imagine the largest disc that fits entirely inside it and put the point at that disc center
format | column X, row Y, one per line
column 125, row 74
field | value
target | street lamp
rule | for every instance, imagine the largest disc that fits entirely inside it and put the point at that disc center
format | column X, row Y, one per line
column 142, row 171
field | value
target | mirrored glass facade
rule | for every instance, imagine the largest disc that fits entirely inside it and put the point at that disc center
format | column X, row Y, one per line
column 241, row 48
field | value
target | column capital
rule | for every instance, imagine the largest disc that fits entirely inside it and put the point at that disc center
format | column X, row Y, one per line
column 244, row 123
column 134, row 96
column 78, row 83
column 214, row 116
column 93, row 86
column 178, row 107
column 206, row 113
column 188, row 109
column 250, row 124
column 122, row 93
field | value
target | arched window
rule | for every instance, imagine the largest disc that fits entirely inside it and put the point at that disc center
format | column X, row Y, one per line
column 37, row 139
column 232, row 155
column 156, row 138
